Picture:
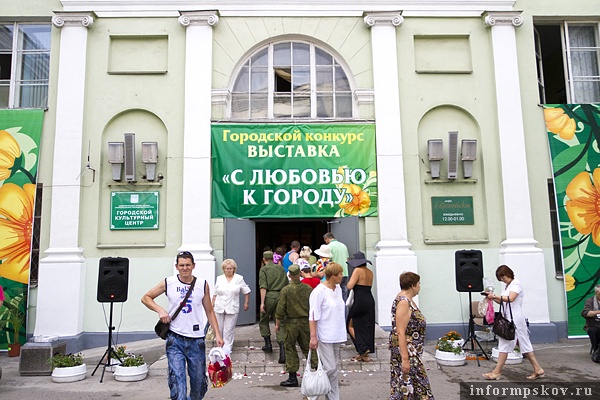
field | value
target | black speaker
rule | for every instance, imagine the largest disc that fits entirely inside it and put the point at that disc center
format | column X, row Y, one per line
column 469, row 270
column 113, row 278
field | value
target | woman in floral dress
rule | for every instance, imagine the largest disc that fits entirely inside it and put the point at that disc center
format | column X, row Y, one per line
column 408, row 379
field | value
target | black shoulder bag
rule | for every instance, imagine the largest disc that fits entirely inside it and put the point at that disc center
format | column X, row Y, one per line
column 162, row 328
column 502, row 326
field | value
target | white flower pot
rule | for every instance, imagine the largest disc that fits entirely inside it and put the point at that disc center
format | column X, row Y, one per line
column 130, row 374
column 514, row 357
column 450, row 359
column 69, row 374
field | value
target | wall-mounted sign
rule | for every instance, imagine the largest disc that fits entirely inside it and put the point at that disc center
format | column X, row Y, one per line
column 453, row 210
column 133, row 210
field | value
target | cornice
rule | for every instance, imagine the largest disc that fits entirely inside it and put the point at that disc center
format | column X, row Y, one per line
column 503, row 18
column 202, row 18
column 62, row 19
column 383, row 18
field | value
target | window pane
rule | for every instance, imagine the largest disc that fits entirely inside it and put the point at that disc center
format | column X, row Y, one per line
column 324, row 105
column 322, row 58
column 343, row 105
column 33, row 96
column 324, row 78
column 5, row 65
column 260, row 58
column 35, row 66
column 301, row 79
column 282, row 54
column 6, row 37
column 301, row 54
column 586, row 92
column 283, row 79
column 282, row 106
column 341, row 81
column 259, row 80
column 259, row 106
column 239, row 106
column 582, row 36
column 301, row 106
column 34, row 37
column 4, row 90
column 241, row 82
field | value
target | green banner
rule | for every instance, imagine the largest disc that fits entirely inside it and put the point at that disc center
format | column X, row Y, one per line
column 20, row 133
column 573, row 133
column 452, row 210
column 293, row 171
column 133, row 210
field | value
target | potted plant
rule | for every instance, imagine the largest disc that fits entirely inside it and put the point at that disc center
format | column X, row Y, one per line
column 449, row 350
column 132, row 367
column 15, row 319
column 514, row 357
column 68, row 367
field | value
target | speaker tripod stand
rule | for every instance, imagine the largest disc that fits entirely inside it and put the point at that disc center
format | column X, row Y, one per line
column 472, row 338
column 110, row 351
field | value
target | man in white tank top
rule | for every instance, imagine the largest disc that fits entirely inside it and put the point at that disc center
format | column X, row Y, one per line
column 185, row 340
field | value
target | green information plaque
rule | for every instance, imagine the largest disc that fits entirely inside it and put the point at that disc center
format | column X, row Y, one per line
column 133, row 210
column 456, row 210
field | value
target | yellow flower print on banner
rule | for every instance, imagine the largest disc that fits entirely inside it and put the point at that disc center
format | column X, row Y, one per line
column 16, row 216
column 569, row 282
column 582, row 206
column 360, row 200
column 559, row 123
column 9, row 151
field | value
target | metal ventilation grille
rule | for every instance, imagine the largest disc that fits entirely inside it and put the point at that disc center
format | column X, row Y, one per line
column 452, row 154
column 130, row 157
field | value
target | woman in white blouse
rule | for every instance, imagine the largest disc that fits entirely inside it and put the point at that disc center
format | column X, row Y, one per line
column 226, row 301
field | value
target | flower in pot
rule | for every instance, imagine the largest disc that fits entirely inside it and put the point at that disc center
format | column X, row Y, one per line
column 449, row 350
column 132, row 367
column 67, row 367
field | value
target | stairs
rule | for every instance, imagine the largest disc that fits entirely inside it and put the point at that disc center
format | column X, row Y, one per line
column 248, row 358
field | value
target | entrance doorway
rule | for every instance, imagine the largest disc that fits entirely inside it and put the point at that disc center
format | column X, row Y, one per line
column 245, row 240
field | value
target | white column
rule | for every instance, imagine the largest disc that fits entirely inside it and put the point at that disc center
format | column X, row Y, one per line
column 60, row 300
column 197, row 144
column 519, row 250
column 393, row 254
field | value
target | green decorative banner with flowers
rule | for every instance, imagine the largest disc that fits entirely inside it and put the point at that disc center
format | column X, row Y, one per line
column 20, row 132
column 574, row 138
column 293, row 171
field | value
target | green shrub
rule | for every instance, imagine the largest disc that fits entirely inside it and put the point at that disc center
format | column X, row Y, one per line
column 66, row 360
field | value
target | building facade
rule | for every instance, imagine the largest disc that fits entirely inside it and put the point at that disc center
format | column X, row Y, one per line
column 425, row 118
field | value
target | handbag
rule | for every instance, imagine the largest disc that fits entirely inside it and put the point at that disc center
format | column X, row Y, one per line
column 490, row 316
column 315, row 383
column 502, row 326
column 162, row 328
column 350, row 299
column 219, row 367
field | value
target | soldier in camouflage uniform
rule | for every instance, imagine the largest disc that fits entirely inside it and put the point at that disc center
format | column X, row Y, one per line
column 271, row 279
column 293, row 308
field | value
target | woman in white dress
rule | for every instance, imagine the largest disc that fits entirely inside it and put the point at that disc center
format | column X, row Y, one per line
column 226, row 301
column 514, row 293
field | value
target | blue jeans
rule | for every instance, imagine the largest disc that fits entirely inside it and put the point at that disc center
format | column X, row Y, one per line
column 182, row 350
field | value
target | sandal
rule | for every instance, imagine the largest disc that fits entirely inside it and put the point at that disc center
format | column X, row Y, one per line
column 365, row 357
column 490, row 376
column 356, row 358
column 535, row 375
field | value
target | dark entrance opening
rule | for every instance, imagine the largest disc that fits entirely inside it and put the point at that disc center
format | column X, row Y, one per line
column 274, row 233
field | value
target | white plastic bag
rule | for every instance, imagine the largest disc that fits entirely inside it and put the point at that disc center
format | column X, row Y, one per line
column 315, row 383
column 350, row 299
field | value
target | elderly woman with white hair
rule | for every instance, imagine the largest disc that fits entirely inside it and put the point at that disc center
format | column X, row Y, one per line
column 226, row 301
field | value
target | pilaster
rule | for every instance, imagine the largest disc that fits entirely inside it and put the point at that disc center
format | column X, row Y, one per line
column 393, row 254
column 62, row 271
column 196, row 202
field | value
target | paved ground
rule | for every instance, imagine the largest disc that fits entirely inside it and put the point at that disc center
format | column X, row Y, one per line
column 566, row 362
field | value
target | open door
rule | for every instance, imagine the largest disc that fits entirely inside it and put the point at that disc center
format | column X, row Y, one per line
column 345, row 230
column 240, row 246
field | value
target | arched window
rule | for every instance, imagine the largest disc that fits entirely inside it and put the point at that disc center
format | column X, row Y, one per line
column 291, row 80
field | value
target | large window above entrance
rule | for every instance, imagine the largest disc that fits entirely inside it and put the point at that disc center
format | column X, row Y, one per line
column 291, row 80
